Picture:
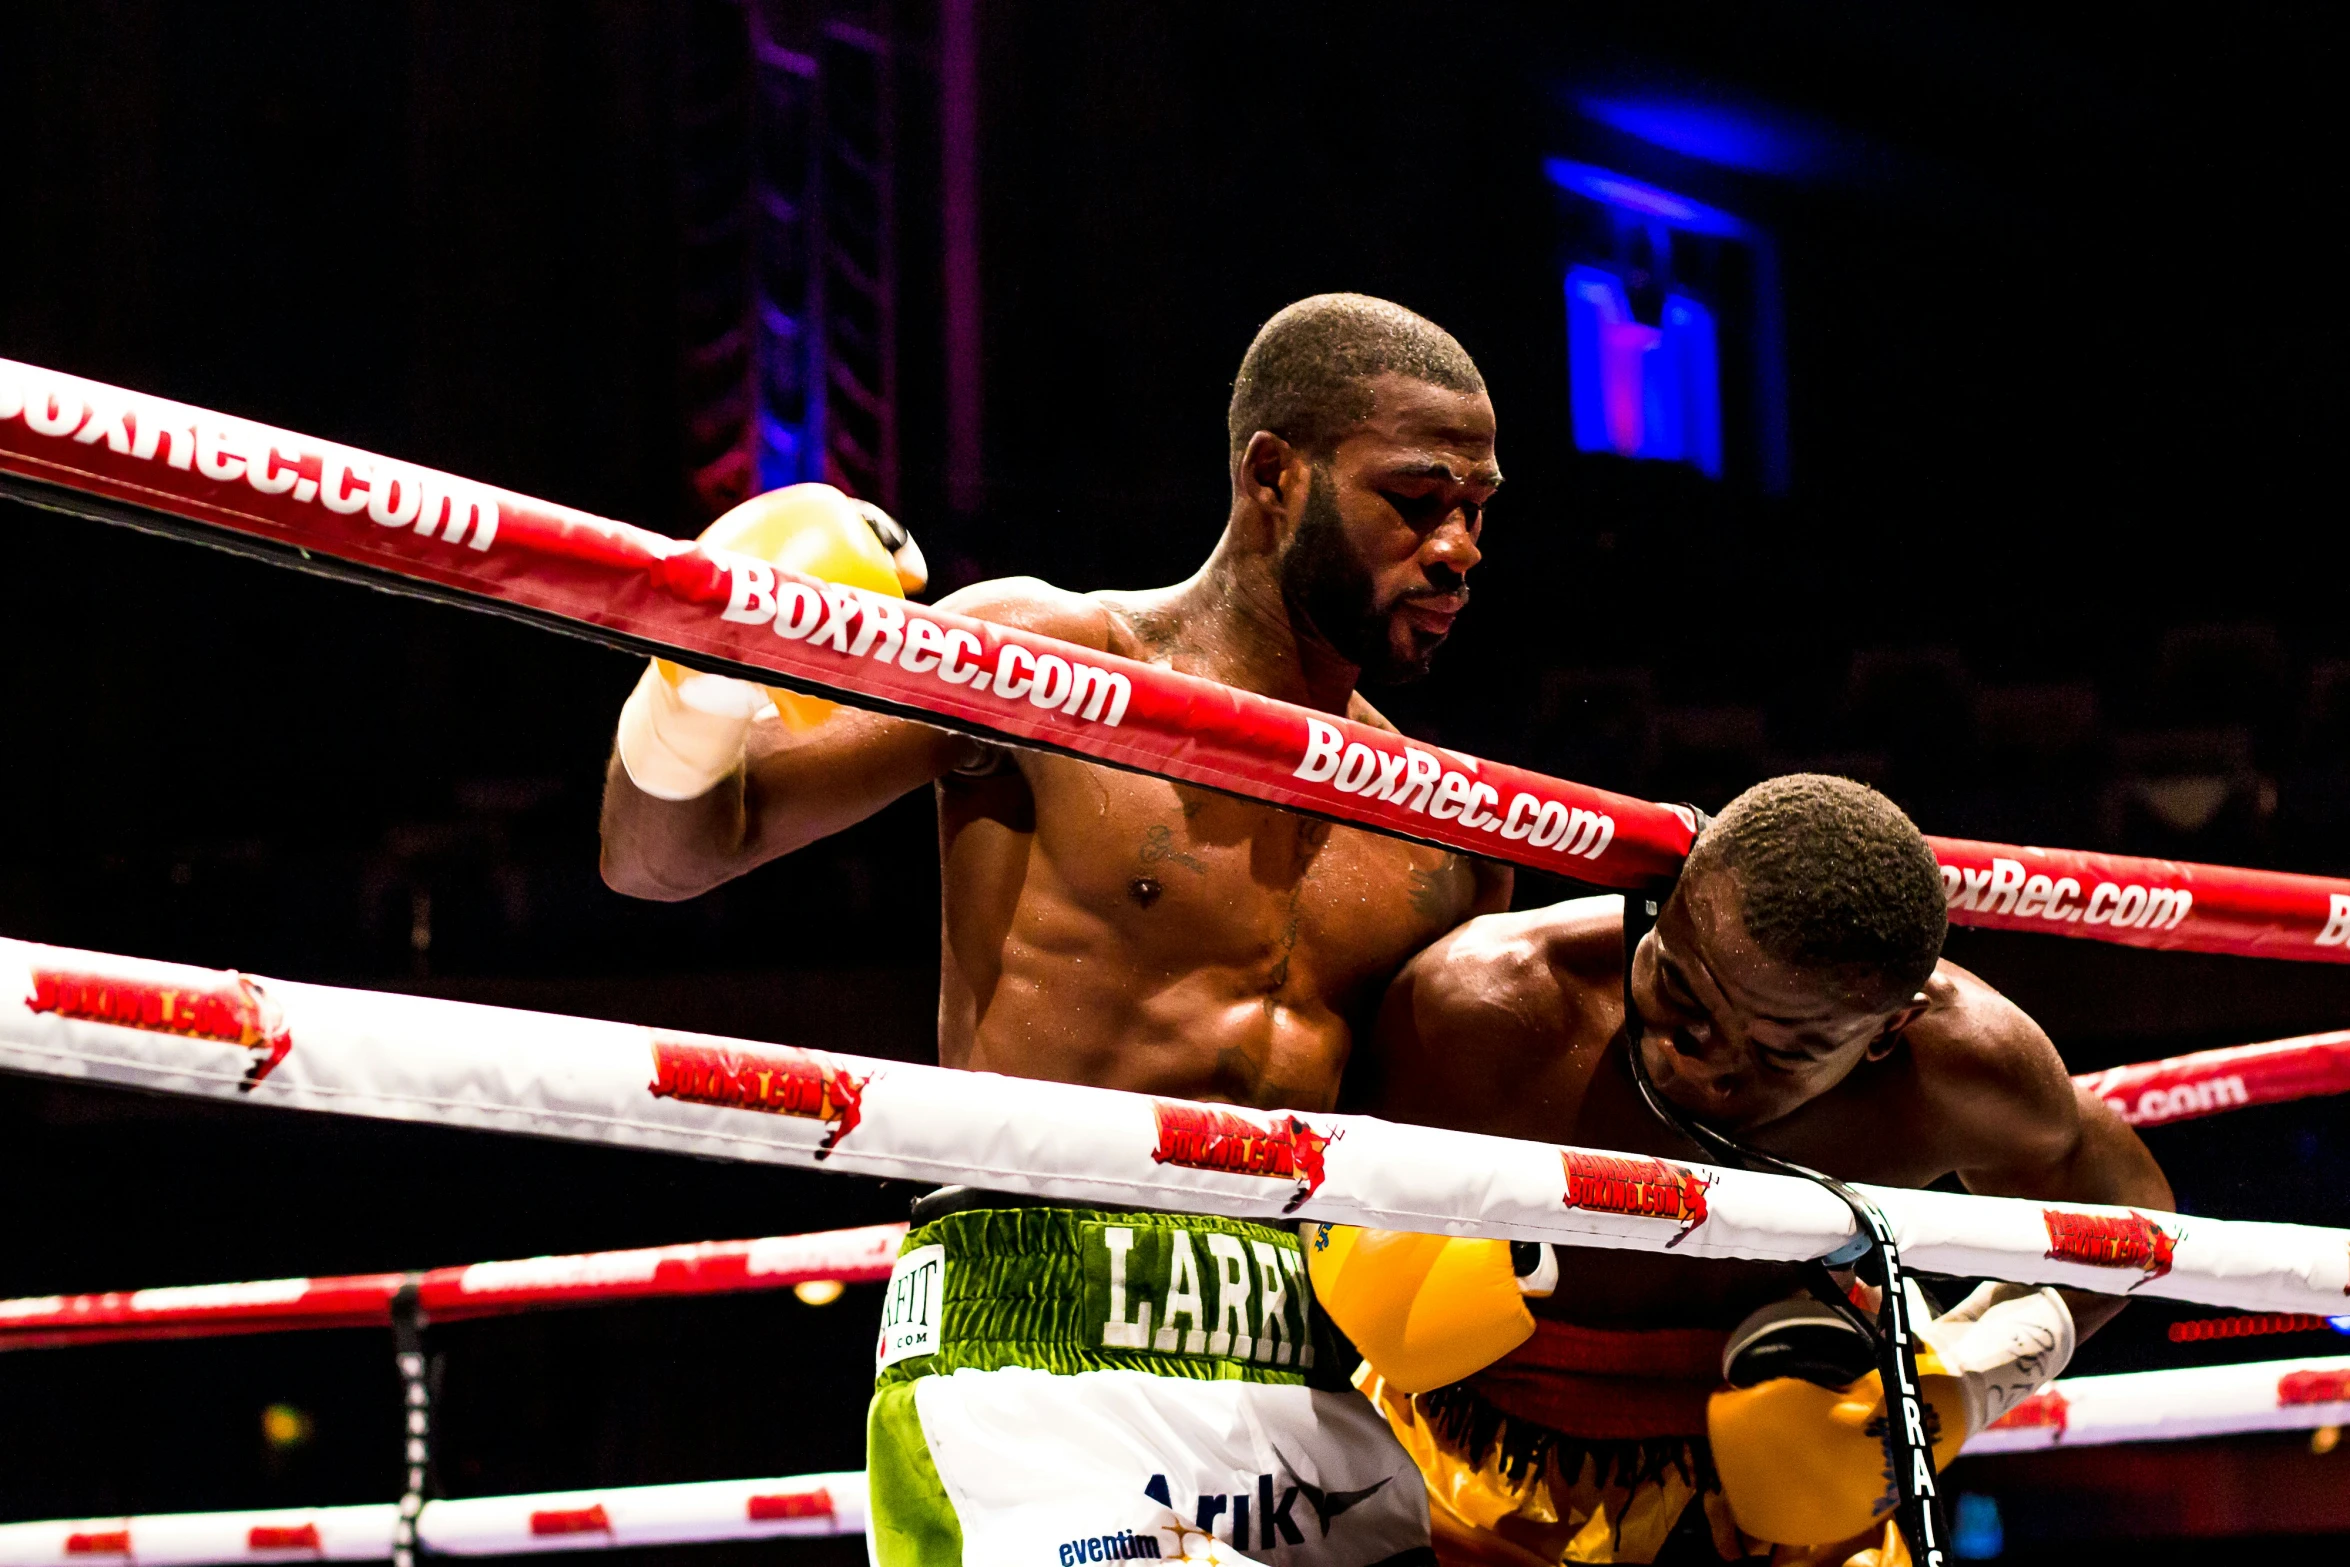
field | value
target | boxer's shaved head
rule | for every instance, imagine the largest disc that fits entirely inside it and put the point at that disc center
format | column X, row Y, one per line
column 1832, row 876
column 1307, row 377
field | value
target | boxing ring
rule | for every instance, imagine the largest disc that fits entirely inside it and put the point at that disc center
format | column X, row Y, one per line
column 96, row 451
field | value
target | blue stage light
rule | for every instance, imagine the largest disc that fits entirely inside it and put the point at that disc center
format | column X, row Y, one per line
column 1644, row 335
column 1637, row 196
column 1639, row 390
column 1977, row 1534
column 1760, row 141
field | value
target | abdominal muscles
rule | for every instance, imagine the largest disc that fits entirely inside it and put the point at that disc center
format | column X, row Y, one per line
column 1212, row 1031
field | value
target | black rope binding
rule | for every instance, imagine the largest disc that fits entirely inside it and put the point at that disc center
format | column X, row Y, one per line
column 408, row 1322
column 1909, row 1448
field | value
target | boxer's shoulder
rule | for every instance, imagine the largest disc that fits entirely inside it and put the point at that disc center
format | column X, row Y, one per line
column 1491, row 1027
column 1033, row 604
column 1536, row 969
column 1985, row 1064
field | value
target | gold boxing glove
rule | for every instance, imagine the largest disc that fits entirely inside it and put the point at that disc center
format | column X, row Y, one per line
column 1798, row 1462
column 1803, row 1464
column 681, row 732
column 1425, row 1310
column 817, row 531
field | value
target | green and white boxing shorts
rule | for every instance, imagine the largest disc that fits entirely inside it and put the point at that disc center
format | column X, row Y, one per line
column 1065, row 1385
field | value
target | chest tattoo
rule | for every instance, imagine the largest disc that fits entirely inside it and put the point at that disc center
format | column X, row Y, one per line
column 1433, row 890
column 1158, row 844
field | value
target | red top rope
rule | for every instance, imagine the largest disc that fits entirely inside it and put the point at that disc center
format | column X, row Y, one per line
column 100, row 451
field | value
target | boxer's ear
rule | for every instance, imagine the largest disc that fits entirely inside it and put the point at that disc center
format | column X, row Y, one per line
column 1910, row 1012
column 1272, row 478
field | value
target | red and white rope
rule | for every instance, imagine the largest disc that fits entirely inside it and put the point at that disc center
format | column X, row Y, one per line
column 2182, row 1088
column 797, row 1507
column 2144, row 1406
column 2166, row 1406
column 858, row 1256
column 96, row 450
column 2149, row 1093
column 192, row 1031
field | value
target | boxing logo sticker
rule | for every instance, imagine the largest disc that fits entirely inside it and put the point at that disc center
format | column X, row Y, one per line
column 2045, row 1410
column 781, row 1505
column 1640, row 1188
column 2312, row 1387
column 773, row 1079
column 1241, row 1142
column 2105, row 1240
column 553, row 1521
column 858, row 624
column 228, row 1008
column 283, row 1537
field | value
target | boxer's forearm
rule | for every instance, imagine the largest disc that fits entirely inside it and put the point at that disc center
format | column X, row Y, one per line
column 2091, row 1312
column 2113, row 1166
column 791, row 790
column 2111, row 1163
column 668, row 850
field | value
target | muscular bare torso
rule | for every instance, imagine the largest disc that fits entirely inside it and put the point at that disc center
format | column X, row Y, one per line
column 1104, row 927
column 1513, row 1026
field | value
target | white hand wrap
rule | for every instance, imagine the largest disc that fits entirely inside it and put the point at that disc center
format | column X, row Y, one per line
column 2004, row 1342
column 677, row 741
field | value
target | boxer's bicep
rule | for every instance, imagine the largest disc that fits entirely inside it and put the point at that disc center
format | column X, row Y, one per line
column 798, row 788
column 2103, row 1162
column 2112, row 1161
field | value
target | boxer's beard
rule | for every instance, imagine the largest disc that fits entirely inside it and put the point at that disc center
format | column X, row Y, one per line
column 1326, row 583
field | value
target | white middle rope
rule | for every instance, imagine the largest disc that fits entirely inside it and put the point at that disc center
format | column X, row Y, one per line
column 180, row 1030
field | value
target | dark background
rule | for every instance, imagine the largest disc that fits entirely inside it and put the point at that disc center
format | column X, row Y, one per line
column 2061, row 334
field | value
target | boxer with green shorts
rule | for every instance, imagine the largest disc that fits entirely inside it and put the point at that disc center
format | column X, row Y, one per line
column 1120, row 930
column 1064, row 1385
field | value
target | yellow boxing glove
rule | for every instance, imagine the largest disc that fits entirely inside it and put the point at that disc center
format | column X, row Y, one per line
column 681, row 732
column 817, row 531
column 1801, row 1464
column 1797, row 1462
column 1425, row 1310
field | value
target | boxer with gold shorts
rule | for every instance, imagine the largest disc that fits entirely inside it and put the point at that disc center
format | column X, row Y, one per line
column 1606, row 1406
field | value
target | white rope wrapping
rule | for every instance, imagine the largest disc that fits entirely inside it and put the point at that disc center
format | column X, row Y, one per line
column 191, row 1031
column 798, row 1506
column 2167, row 1406
column 2144, row 1406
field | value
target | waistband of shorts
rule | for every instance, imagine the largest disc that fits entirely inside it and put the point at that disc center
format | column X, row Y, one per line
column 1668, row 1354
column 1071, row 1289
